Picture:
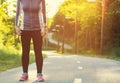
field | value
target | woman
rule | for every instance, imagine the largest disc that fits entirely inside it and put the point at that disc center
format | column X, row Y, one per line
column 31, row 29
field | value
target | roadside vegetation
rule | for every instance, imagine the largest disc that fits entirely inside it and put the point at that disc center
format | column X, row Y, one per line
column 10, row 47
column 86, row 16
column 11, row 58
column 88, row 22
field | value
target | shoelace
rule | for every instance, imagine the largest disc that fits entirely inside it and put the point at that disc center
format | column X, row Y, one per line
column 24, row 76
column 40, row 77
column 39, row 74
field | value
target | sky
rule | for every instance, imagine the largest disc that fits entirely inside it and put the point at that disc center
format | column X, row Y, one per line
column 52, row 7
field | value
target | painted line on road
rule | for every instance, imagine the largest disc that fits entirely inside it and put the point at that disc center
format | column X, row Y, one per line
column 78, row 61
column 78, row 80
column 80, row 68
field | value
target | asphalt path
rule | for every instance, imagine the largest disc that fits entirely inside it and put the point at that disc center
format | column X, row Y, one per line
column 61, row 68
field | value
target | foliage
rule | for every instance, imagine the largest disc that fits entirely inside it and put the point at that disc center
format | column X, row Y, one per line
column 85, row 15
column 115, row 17
column 9, row 56
column 88, row 17
column 7, row 33
column 3, row 17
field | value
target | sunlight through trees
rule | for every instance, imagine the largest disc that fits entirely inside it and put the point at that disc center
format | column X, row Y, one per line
column 88, row 24
column 89, row 16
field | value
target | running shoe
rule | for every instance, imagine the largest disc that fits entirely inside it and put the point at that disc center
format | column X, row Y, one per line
column 24, row 77
column 40, row 77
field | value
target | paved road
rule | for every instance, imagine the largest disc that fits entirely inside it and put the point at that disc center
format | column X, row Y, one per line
column 51, row 40
column 69, row 69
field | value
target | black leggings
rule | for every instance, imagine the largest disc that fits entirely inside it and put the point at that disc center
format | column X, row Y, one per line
column 37, row 42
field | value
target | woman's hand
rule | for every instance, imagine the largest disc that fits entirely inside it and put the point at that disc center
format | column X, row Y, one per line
column 18, row 31
column 43, row 31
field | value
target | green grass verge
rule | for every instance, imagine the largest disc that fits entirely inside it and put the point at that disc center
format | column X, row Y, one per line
column 11, row 58
column 113, row 55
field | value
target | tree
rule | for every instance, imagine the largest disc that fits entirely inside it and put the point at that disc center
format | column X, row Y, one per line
column 3, row 17
column 6, row 25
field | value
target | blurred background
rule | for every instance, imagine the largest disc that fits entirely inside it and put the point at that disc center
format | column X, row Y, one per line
column 88, row 27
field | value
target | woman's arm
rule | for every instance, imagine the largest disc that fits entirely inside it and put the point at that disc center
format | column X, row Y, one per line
column 18, row 31
column 44, row 12
column 43, row 30
column 17, row 13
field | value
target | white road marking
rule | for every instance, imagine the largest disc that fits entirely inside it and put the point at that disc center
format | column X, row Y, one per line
column 78, row 80
column 80, row 68
column 78, row 61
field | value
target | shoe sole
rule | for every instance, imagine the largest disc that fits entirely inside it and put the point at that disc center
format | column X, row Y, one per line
column 23, row 80
column 41, row 80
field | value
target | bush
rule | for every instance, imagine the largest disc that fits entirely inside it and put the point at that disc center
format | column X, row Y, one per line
column 116, row 51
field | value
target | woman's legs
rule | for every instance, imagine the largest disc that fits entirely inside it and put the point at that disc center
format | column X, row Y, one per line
column 37, row 41
column 25, row 39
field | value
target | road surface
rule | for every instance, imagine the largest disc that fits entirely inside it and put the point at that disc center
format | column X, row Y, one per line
column 59, row 68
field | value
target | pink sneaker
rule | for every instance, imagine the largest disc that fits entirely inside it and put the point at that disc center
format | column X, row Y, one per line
column 40, row 77
column 24, row 77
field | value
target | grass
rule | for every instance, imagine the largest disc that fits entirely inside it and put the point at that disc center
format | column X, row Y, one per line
column 11, row 58
column 114, row 55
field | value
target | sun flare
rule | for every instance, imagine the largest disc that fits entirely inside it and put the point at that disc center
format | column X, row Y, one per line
column 52, row 7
